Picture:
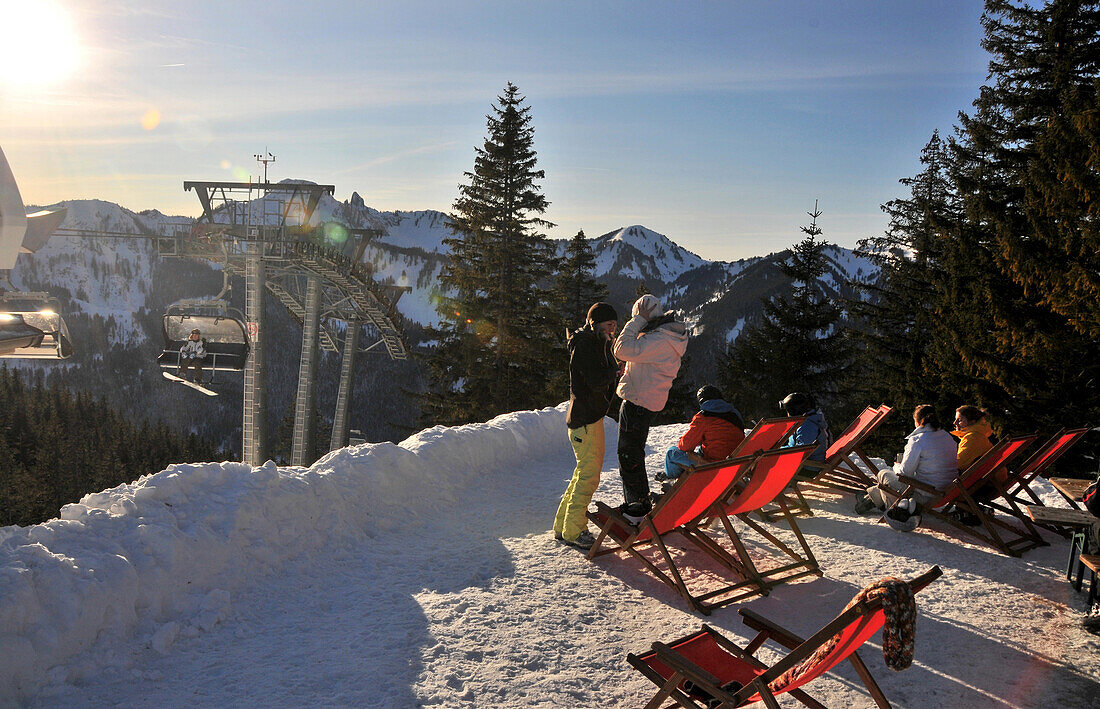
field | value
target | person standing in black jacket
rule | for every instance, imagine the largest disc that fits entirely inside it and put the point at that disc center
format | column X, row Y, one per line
column 592, row 375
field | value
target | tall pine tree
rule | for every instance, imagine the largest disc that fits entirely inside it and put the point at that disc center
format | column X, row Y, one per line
column 497, row 331
column 899, row 312
column 575, row 290
column 797, row 344
column 577, row 287
column 1027, row 179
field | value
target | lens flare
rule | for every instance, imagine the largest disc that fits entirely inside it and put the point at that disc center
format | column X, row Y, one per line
column 151, row 119
column 335, row 233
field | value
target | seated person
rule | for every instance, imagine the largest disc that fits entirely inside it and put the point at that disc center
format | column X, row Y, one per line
column 813, row 429
column 191, row 355
column 975, row 440
column 930, row 457
column 974, row 433
column 714, row 432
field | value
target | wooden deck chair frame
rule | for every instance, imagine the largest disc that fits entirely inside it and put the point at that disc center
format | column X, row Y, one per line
column 672, row 666
column 1019, row 483
column 840, row 472
column 696, row 494
column 1002, row 536
column 766, row 435
column 770, row 476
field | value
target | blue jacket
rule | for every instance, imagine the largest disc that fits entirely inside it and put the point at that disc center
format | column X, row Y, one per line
column 813, row 430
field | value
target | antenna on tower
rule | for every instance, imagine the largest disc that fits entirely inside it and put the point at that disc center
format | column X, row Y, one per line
column 265, row 157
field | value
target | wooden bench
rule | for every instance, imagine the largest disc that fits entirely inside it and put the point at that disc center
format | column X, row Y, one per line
column 1092, row 563
column 1071, row 489
column 1079, row 521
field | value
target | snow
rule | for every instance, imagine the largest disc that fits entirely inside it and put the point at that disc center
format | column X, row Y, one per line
column 663, row 259
column 106, row 277
column 735, row 331
column 850, row 265
column 425, row 574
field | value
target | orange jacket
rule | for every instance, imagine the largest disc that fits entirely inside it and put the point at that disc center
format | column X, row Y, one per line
column 973, row 442
column 715, row 433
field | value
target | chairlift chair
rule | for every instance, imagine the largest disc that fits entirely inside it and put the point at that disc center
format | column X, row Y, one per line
column 223, row 332
column 31, row 327
column 16, row 334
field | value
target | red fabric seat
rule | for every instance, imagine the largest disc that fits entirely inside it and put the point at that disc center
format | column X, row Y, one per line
column 710, row 662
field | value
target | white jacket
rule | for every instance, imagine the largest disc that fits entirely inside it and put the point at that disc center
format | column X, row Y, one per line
column 193, row 349
column 652, row 361
column 930, row 456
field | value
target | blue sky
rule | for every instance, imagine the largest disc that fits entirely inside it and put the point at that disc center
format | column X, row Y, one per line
column 715, row 123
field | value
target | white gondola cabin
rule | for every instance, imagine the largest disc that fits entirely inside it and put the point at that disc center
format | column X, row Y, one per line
column 32, row 328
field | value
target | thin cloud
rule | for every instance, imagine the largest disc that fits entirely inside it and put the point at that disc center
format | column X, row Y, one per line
column 382, row 159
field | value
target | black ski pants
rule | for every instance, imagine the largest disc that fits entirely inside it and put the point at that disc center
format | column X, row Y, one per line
column 634, row 423
column 192, row 363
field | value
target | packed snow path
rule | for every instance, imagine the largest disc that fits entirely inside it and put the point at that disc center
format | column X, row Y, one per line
column 425, row 575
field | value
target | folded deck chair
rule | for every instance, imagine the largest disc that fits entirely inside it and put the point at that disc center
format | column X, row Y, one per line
column 1007, row 538
column 762, row 487
column 1019, row 482
column 705, row 669
column 839, row 472
column 696, row 494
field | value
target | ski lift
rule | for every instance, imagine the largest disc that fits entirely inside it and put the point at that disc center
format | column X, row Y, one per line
column 222, row 329
column 32, row 328
column 16, row 334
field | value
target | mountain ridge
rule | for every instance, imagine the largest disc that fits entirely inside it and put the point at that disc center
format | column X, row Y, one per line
column 113, row 292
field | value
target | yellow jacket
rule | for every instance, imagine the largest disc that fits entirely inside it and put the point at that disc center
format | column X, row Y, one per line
column 973, row 442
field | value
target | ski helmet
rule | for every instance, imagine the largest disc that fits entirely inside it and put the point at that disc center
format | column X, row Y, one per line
column 708, row 392
column 797, row 404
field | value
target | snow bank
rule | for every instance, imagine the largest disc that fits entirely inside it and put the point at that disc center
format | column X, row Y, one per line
column 160, row 556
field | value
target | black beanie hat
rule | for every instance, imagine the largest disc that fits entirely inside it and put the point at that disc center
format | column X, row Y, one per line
column 602, row 312
column 708, row 392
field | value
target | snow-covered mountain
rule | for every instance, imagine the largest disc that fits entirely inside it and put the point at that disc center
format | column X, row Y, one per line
column 113, row 291
column 637, row 252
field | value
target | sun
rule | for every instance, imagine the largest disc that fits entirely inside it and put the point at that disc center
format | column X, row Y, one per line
column 37, row 42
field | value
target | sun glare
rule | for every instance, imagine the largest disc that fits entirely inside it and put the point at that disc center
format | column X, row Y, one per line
column 38, row 45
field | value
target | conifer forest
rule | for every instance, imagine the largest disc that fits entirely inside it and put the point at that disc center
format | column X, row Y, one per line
column 988, row 289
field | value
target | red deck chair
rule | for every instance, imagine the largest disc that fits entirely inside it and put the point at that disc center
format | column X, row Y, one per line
column 696, row 670
column 771, row 474
column 840, row 472
column 1010, row 539
column 767, row 434
column 1019, row 483
column 695, row 494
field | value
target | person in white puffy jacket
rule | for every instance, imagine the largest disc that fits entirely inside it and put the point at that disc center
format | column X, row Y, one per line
column 191, row 356
column 652, row 345
column 930, row 456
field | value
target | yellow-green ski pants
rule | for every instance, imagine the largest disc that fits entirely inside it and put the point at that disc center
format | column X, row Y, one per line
column 587, row 442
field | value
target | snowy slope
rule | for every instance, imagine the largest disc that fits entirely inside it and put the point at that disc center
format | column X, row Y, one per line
column 424, row 574
column 106, row 277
